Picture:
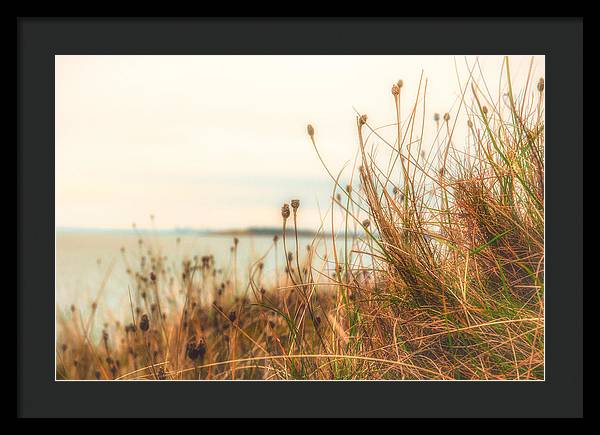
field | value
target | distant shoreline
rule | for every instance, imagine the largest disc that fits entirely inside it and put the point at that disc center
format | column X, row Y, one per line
column 252, row 231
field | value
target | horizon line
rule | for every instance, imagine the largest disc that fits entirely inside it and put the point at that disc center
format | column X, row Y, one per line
column 195, row 230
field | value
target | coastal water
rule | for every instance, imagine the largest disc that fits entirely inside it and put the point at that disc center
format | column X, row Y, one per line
column 93, row 266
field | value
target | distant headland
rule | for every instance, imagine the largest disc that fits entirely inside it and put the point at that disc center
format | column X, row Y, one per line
column 183, row 231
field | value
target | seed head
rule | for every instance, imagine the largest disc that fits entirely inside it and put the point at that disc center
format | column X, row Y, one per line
column 436, row 117
column 395, row 90
column 366, row 223
column 311, row 130
column 285, row 211
column 195, row 351
column 362, row 120
column 540, row 85
column 232, row 316
column 152, row 276
column 446, row 117
column 144, row 323
column 470, row 124
column 295, row 204
column 400, row 83
column 484, row 109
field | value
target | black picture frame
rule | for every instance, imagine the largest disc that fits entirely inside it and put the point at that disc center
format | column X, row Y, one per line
column 560, row 40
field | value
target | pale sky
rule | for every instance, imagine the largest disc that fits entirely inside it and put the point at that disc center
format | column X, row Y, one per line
column 220, row 141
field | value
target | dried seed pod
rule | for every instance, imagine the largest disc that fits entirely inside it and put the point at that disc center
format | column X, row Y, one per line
column 190, row 349
column 362, row 120
column 195, row 351
column 285, row 211
column 541, row 84
column 310, row 129
column 144, row 323
column 232, row 316
column 395, row 90
column 295, row 204
column 446, row 117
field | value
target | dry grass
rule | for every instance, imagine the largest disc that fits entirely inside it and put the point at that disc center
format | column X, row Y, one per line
column 437, row 272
